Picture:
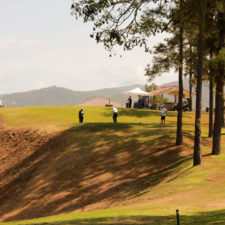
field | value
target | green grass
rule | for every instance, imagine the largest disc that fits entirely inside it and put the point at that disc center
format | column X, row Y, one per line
column 65, row 117
column 199, row 192
column 130, row 216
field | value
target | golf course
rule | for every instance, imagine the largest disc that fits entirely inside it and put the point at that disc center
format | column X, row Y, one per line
column 57, row 171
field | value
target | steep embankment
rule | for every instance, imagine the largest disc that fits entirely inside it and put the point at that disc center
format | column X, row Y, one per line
column 108, row 164
column 111, row 165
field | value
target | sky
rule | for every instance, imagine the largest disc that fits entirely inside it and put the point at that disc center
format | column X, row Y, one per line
column 42, row 45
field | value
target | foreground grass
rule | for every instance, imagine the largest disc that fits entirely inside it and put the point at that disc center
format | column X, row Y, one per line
column 124, row 150
column 130, row 216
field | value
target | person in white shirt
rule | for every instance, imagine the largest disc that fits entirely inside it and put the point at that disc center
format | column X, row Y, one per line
column 115, row 114
column 163, row 115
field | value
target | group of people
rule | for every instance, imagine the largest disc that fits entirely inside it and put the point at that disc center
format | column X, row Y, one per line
column 115, row 114
column 141, row 103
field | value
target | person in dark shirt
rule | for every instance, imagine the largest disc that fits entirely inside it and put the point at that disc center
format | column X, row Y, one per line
column 130, row 102
column 81, row 115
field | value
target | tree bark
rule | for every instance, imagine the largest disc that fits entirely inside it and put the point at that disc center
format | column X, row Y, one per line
column 223, row 113
column 197, row 141
column 211, row 101
column 216, row 149
column 179, row 138
column 190, row 81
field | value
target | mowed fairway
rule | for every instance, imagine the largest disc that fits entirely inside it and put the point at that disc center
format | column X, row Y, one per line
column 128, row 173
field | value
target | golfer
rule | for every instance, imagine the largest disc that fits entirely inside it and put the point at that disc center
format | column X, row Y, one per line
column 115, row 114
column 130, row 102
column 81, row 115
column 163, row 114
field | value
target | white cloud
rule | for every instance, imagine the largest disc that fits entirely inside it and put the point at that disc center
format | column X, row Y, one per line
column 12, row 42
column 3, row 87
column 6, row 42
column 1, row 74
column 140, row 73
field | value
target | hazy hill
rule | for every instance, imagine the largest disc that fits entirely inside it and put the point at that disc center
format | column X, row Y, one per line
column 58, row 96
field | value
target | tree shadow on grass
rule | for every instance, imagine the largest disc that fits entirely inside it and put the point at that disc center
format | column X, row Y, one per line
column 203, row 218
column 137, row 113
column 121, row 125
column 107, row 163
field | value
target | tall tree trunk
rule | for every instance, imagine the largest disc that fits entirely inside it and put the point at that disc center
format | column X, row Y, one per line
column 197, row 142
column 190, row 81
column 179, row 139
column 223, row 113
column 216, row 150
column 211, row 101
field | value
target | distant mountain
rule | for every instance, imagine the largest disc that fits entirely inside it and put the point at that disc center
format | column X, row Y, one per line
column 57, row 96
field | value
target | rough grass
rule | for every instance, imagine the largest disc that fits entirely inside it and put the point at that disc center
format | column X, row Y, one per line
column 61, row 118
column 131, row 167
column 130, row 216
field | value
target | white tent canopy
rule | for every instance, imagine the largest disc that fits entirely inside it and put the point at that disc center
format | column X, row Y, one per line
column 137, row 91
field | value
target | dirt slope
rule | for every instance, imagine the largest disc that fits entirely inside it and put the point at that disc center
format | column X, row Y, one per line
column 44, row 175
column 16, row 146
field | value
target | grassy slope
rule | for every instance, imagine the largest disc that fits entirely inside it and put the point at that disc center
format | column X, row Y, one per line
column 131, row 166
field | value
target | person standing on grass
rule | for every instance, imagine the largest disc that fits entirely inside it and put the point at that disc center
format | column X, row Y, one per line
column 163, row 114
column 81, row 115
column 115, row 114
column 130, row 102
